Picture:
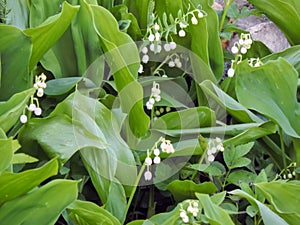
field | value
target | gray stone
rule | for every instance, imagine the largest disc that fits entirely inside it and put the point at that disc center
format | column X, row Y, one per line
column 261, row 29
column 270, row 35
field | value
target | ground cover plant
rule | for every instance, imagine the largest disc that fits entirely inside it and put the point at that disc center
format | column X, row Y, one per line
column 132, row 112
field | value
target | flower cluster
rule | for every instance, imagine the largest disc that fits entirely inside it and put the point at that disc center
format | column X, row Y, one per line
column 165, row 146
column 289, row 172
column 34, row 107
column 213, row 147
column 239, row 48
column 154, row 97
column 191, row 211
column 154, row 39
column 158, row 30
column 183, row 22
column 175, row 62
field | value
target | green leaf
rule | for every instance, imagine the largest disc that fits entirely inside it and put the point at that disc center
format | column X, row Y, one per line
column 282, row 12
column 45, row 36
column 284, row 198
column 78, row 51
column 6, row 152
column 140, row 9
column 292, row 55
column 234, row 108
column 123, row 59
column 186, row 189
column 138, row 222
column 15, row 185
column 268, row 216
column 166, row 172
column 271, row 90
column 11, row 110
column 62, row 146
column 21, row 158
column 19, row 13
column 216, row 59
column 218, row 198
column 215, row 169
column 90, row 127
column 88, row 213
column 61, row 85
column 252, row 134
column 186, row 119
column 41, row 206
column 214, row 213
column 241, row 176
column 15, row 46
column 233, row 156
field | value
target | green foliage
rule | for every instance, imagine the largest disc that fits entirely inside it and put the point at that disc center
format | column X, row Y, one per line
column 279, row 91
column 182, row 190
column 128, row 83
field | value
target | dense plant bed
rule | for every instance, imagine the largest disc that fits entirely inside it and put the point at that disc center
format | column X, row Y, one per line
column 122, row 112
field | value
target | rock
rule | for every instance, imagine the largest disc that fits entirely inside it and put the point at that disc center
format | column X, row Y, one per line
column 261, row 29
column 270, row 35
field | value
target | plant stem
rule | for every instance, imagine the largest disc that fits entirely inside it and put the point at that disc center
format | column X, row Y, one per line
column 138, row 178
column 227, row 4
column 136, row 183
column 282, row 147
column 296, row 143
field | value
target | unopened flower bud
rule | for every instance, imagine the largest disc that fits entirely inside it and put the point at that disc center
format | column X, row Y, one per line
column 23, row 118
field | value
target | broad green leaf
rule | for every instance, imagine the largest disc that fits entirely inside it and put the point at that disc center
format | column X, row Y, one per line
column 140, row 9
column 41, row 206
column 186, row 189
column 6, row 152
column 174, row 91
column 14, row 185
column 223, row 101
column 282, row 12
column 292, row 55
column 45, row 36
column 252, row 134
column 21, row 158
column 75, row 137
column 19, row 14
column 121, row 13
column 11, row 110
column 214, row 213
column 241, row 176
column 61, row 85
column 15, row 46
column 231, row 130
column 138, row 222
column 167, row 218
column 166, row 172
column 215, row 53
column 218, row 198
column 258, row 50
column 78, row 51
column 268, row 216
column 88, row 213
column 168, row 7
column 271, row 90
column 284, row 199
column 123, row 59
column 88, row 126
column 186, row 119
